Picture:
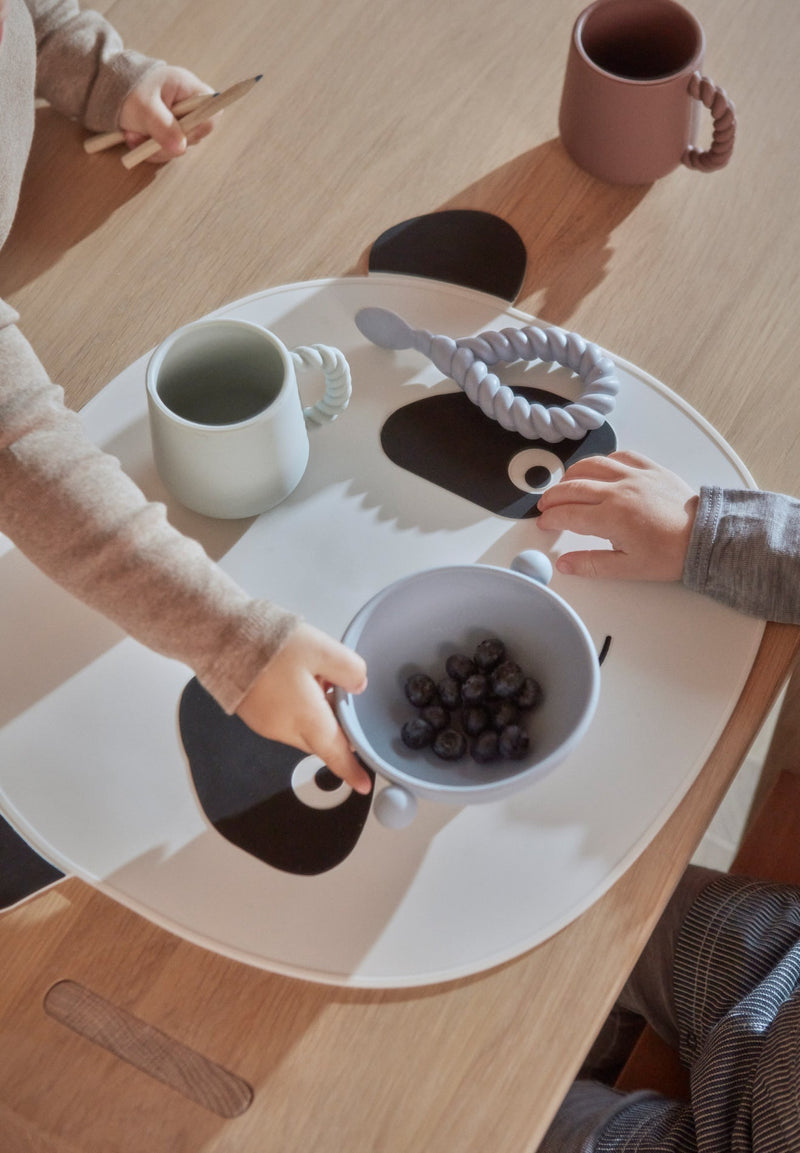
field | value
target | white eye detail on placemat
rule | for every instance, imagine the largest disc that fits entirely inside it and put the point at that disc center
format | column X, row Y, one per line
column 316, row 786
column 535, row 469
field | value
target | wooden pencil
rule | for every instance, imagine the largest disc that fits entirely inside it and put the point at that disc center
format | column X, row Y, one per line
column 104, row 140
column 208, row 108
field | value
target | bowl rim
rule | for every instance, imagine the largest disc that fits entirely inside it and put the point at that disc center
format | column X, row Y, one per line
column 344, row 702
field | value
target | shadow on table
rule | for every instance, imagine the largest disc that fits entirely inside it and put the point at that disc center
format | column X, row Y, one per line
column 48, row 223
column 327, row 924
column 565, row 219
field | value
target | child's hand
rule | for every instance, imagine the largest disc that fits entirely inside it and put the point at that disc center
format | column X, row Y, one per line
column 644, row 510
column 289, row 700
column 146, row 111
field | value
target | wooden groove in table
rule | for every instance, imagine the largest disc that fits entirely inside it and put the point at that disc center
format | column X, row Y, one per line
column 147, row 1048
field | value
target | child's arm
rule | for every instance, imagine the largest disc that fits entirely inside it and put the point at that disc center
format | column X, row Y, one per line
column 84, row 71
column 82, row 67
column 289, row 700
column 645, row 511
column 146, row 111
column 72, row 510
column 739, row 546
column 745, row 552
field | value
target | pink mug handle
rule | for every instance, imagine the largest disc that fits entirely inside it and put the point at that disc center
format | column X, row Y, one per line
column 724, row 117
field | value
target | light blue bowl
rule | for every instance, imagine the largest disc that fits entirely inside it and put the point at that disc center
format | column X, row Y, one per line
column 414, row 624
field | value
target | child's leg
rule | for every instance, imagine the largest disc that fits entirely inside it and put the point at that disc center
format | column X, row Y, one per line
column 647, row 994
column 649, row 991
column 595, row 1118
column 734, row 997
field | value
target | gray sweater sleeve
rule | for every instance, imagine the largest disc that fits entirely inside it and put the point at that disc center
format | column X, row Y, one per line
column 745, row 552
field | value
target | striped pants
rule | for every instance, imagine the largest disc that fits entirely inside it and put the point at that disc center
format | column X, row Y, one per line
column 720, row 981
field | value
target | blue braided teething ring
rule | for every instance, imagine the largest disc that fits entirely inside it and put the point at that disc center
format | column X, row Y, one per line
column 465, row 361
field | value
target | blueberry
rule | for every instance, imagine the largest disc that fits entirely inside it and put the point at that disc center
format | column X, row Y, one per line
column 485, row 747
column 489, row 654
column 513, row 742
column 475, row 689
column 530, row 695
column 420, row 690
column 437, row 717
column 507, row 679
column 475, row 719
column 503, row 713
column 450, row 745
column 459, row 667
column 417, row 733
column 475, row 706
column 449, row 692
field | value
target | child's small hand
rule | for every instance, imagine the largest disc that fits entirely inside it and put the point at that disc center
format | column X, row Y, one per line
column 146, row 111
column 643, row 509
column 289, row 700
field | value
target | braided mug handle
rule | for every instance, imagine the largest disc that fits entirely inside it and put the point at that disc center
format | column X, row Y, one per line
column 724, row 117
column 338, row 387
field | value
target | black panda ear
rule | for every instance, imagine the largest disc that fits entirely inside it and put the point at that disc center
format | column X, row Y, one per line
column 458, row 245
column 24, row 872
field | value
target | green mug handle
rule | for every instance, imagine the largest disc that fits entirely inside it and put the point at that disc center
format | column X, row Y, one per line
column 338, row 387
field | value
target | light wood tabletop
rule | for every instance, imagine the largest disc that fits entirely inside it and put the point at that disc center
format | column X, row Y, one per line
column 369, row 115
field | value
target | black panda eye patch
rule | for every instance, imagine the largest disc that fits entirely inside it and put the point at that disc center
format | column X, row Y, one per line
column 447, row 440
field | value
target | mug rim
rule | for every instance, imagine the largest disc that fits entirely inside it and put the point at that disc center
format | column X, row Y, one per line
column 687, row 67
column 158, row 354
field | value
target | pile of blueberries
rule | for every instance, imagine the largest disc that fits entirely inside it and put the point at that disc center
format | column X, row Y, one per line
column 477, row 707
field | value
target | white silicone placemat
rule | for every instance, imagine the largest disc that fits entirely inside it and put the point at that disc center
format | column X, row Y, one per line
column 92, row 770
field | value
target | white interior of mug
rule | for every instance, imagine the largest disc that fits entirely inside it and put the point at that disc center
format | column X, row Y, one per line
column 219, row 373
column 640, row 39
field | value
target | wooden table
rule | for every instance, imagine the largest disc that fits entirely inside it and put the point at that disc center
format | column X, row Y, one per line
column 369, row 115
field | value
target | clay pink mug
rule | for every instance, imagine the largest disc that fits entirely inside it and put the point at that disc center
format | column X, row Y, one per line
column 632, row 93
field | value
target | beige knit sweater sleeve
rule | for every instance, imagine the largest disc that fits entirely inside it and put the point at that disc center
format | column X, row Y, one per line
column 65, row 504
column 82, row 68
column 72, row 510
